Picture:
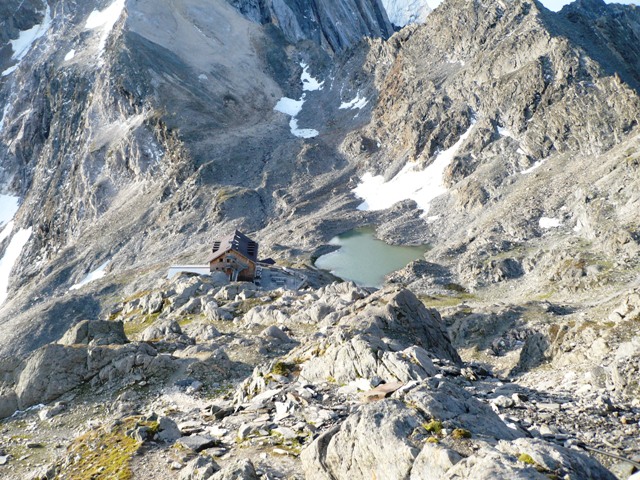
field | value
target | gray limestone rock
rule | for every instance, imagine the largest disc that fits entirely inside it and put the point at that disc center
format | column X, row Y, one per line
column 242, row 469
column 197, row 443
column 168, row 431
column 95, row 332
column 444, row 401
column 152, row 303
column 50, row 372
column 8, row 403
column 298, row 20
column 275, row 333
column 391, row 337
column 374, row 442
column 554, row 458
column 433, row 461
column 200, row 468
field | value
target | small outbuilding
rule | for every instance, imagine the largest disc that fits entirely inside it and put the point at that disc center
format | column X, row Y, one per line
column 236, row 256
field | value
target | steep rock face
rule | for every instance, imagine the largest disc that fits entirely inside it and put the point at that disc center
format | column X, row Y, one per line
column 334, row 24
column 524, row 92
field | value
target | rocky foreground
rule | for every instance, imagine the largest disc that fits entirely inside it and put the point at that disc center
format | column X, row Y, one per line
column 202, row 379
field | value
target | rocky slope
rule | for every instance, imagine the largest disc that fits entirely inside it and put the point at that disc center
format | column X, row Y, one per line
column 136, row 132
column 227, row 381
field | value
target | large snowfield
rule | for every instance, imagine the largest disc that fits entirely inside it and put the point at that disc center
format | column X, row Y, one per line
column 410, row 183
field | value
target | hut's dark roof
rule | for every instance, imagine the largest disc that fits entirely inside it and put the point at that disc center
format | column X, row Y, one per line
column 238, row 242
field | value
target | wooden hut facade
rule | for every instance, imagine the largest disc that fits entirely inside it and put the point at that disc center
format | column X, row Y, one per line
column 236, row 256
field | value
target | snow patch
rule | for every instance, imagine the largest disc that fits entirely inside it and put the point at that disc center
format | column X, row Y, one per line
column 289, row 106
column 548, row 222
column 105, row 21
column 292, row 107
column 505, row 132
column 357, row 103
column 422, row 186
column 302, row 132
column 22, row 45
column 70, row 54
column 533, row 167
column 97, row 274
column 11, row 255
column 404, row 12
column 309, row 84
column 8, row 208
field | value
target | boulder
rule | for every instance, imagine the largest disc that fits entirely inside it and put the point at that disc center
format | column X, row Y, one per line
column 51, row 371
column 200, row 468
column 372, row 443
column 201, row 332
column 274, row 333
column 242, row 469
column 432, row 462
column 559, row 460
column 197, row 443
column 95, row 332
column 444, row 401
column 367, row 356
column 8, row 403
column 151, row 303
column 167, row 330
column 168, row 431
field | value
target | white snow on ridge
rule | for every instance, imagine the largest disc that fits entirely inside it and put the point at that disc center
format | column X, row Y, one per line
column 309, row 84
column 11, row 255
column 404, row 12
column 547, row 222
column 422, row 186
column 356, row 103
column 97, row 274
column 70, row 54
column 105, row 20
column 26, row 39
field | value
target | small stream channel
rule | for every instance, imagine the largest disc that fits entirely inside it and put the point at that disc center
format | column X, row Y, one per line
column 366, row 260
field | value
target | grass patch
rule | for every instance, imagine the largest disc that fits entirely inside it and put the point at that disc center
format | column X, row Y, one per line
column 526, row 458
column 281, row 368
column 104, row 453
column 460, row 433
column 434, row 426
column 136, row 296
column 135, row 327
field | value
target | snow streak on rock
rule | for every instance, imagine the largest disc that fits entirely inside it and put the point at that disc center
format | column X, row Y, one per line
column 309, row 84
column 356, row 103
column 97, row 274
column 105, row 20
column 292, row 107
column 533, row 167
column 8, row 208
column 22, row 45
column 422, row 186
column 11, row 255
column 4, row 114
column 547, row 222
